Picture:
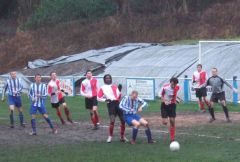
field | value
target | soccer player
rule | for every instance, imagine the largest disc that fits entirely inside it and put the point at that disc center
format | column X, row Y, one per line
column 131, row 105
column 168, row 96
column 37, row 95
column 13, row 87
column 218, row 93
column 110, row 93
column 199, row 81
column 57, row 99
column 89, row 91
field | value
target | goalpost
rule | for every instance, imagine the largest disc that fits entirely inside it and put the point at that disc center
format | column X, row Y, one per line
column 211, row 41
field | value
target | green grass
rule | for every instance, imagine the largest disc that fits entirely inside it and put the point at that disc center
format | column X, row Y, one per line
column 193, row 148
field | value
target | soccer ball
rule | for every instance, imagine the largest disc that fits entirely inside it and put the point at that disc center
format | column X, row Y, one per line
column 174, row 146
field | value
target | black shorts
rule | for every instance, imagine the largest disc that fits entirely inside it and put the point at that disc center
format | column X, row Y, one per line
column 56, row 105
column 218, row 96
column 201, row 92
column 114, row 110
column 90, row 102
column 168, row 110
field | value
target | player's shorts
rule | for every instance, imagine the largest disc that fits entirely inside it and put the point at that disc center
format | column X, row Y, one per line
column 130, row 117
column 56, row 105
column 34, row 109
column 168, row 110
column 15, row 100
column 90, row 102
column 218, row 96
column 114, row 110
column 201, row 92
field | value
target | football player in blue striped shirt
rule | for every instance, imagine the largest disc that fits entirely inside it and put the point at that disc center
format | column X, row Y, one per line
column 13, row 87
column 38, row 95
column 131, row 105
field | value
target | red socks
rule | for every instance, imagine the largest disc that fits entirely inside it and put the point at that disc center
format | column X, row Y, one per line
column 172, row 133
column 67, row 113
column 122, row 131
column 60, row 116
column 111, row 127
column 96, row 117
column 201, row 104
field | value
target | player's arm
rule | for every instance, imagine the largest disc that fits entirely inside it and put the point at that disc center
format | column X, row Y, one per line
column 100, row 96
column 5, row 87
column 20, row 86
column 44, row 92
column 162, row 94
column 50, row 91
column 143, row 104
column 124, row 105
column 82, row 90
column 229, row 85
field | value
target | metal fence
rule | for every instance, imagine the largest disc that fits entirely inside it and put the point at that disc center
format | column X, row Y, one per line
column 186, row 91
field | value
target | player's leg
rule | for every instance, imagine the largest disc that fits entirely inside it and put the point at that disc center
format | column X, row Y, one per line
column 112, row 115
column 49, row 121
column 164, row 115
column 136, row 124
column 200, row 101
column 66, row 110
column 147, row 130
column 18, row 104
column 172, row 116
column 33, row 122
column 95, row 111
column 58, row 112
column 11, row 115
column 211, row 109
column 172, row 128
column 122, row 126
column 222, row 99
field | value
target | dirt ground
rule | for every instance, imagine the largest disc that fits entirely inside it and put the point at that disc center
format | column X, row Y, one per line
column 81, row 131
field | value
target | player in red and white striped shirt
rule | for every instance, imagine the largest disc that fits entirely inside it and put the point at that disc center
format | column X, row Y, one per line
column 168, row 96
column 56, row 94
column 110, row 93
column 199, row 81
column 89, row 91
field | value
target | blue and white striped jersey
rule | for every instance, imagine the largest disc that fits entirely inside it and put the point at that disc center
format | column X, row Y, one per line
column 13, row 85
column 40, row 89
column 130, row 106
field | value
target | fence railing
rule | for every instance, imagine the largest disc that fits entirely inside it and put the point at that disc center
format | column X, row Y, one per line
column 148, row 87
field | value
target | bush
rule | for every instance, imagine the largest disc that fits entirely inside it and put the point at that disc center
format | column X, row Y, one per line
column 55, row 11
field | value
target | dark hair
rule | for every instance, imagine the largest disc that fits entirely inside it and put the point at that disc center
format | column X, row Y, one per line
column 37, row 75
column 199, row 65
column 52, row 72
column 87, row 71
column 174, row 80
column 215, row 69
column 105, row 76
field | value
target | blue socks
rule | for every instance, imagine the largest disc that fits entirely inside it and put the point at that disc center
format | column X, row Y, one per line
column 11, row 118
column 49, row 122
column 33, row 123
column 134, row 134
column 148, row 134
column 21, row 117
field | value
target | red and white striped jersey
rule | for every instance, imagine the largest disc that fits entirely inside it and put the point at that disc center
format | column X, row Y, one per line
column 110, row 92
column 168, row 93
column 54, row 87
column 89, row 87
column 199, row 78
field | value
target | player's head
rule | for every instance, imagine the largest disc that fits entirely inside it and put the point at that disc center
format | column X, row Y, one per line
column 199, row 67
column 53, row 75
column 89, row 74
column 134, row 94
column 13, row 74
column 107, row 79
column 214, row 71
column 38, row 78
column 173, row 82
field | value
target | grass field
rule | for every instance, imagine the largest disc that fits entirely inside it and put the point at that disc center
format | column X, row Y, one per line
column 199, row 142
